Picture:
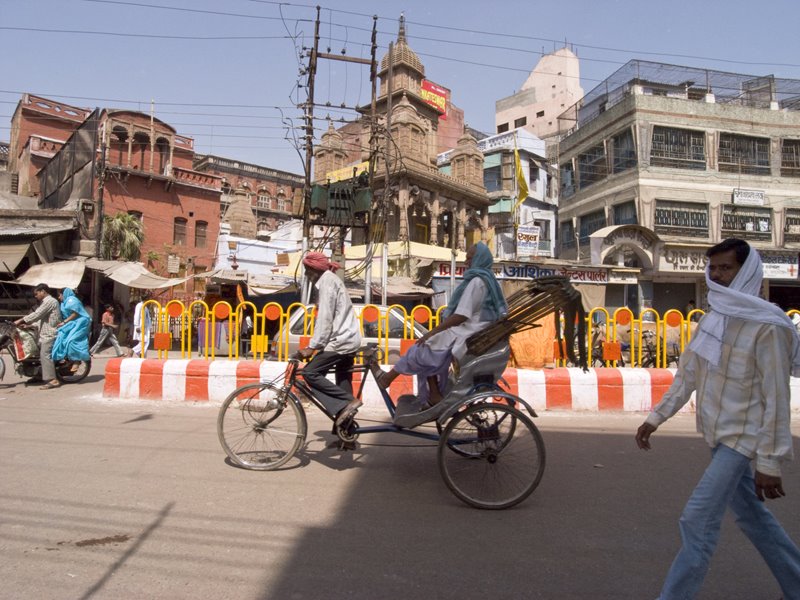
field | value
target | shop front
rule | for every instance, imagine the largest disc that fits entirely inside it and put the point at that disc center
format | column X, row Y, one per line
column 781, row 278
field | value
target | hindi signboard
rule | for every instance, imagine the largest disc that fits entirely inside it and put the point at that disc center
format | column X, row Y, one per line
column 527, row 240
column 347, row 172
column 435, row 95
column 749, row 197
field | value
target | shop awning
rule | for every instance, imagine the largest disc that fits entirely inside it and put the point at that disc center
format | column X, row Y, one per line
column 65, row 273
column 403, row 286
column 11, row 255
column 133, row 274
column 268, row 286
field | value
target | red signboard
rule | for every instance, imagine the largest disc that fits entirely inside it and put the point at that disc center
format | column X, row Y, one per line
column 435, row 95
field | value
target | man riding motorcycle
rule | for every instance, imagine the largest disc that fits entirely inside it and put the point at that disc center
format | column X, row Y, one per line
column 49, row 313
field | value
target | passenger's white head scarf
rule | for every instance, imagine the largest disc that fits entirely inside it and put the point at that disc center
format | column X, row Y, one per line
column 740, row 299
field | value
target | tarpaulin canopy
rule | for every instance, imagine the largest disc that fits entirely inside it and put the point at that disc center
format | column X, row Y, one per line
column 272, row 285
column 65, row 273
column 133, row 274
column 11, row 255
column 258, row 284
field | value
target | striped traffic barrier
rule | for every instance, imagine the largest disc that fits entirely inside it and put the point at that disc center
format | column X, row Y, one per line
column 563, row 388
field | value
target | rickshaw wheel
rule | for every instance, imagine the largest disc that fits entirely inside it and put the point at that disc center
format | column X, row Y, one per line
column 491, row 456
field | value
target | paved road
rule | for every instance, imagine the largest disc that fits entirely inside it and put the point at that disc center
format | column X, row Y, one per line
column 115, row 500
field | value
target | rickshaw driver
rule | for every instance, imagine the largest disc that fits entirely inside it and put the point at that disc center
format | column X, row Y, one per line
column 336, row 340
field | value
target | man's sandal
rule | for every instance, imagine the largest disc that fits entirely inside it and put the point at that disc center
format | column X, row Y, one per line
column 348, row 412
column 50, row 386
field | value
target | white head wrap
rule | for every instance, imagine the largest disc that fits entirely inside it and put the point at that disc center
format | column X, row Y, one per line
column 740, row 299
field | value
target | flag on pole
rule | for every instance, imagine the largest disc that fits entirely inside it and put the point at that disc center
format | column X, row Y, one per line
column 522, row 185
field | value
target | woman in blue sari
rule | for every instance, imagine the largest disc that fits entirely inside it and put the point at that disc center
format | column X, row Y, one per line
column 72, row 340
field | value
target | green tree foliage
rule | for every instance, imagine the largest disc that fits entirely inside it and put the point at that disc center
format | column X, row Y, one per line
column 122, row 237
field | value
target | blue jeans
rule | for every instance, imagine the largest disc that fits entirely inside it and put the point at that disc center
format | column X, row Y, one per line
column 728, row 482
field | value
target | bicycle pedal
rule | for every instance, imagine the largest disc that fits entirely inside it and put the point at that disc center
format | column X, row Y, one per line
column 347, row 432
column 346, row 446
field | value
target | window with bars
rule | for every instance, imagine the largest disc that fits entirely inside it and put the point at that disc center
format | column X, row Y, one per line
column 678, row 148
column 624, row 152
column 625, row 213
column 521, row 122
column 791, row 227
column 591, row 223
column 567, row 231
column 748, row 222
column 263, row 201
column 743, row 154
column 502, row 128
column 592, row 166
column 681, row 218
column 179, row 231
column 790, row 158
column 200, row 230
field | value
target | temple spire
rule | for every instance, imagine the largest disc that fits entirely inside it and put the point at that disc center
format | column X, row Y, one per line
column 401, row 35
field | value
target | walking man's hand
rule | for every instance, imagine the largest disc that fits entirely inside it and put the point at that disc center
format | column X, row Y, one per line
column 643, row 435
column 768, row 486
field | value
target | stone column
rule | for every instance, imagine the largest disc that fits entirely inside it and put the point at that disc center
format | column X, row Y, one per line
column 485, row 225
column 130, row 146
column 403, row 204
column 434, row 231
column 460, row 218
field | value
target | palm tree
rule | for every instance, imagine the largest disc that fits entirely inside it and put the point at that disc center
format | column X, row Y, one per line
column 122, row 237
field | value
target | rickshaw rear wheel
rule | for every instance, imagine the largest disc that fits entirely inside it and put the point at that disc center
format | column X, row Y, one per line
column 491, row 456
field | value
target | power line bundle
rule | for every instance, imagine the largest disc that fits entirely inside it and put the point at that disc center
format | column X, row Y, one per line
column 543, row 296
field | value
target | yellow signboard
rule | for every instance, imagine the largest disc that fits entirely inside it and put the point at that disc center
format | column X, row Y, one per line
column 435, row 95
column 347, row 172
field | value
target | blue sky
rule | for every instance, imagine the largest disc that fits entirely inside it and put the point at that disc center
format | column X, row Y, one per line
column 226, row 73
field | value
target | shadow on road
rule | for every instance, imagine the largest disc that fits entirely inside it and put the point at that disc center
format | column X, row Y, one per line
column 601, row 525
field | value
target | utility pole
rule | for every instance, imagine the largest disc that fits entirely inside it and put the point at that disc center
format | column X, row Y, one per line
column 308, row 115
column 386, row 187
column 373, row 128
column 314, row 56
column 99, row 214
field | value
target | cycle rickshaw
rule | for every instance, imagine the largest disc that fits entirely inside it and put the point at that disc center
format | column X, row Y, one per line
column 490, row 453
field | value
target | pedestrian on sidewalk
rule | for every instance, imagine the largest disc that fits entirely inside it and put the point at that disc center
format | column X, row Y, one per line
column 141, row 328
column 107, row 332
column 739, row 364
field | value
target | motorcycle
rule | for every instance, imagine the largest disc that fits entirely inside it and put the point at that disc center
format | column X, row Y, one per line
column 21, row 345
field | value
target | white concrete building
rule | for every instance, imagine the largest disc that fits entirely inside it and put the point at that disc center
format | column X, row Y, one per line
column 552, row 87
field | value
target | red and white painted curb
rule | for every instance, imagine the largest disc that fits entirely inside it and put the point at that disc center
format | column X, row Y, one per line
column 197, row 380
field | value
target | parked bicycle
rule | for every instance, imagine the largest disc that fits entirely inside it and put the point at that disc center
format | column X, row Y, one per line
column 490, row 454
column 650, row 351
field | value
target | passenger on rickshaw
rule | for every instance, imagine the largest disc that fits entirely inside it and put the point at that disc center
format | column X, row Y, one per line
column 335, row 342
column 477, row 302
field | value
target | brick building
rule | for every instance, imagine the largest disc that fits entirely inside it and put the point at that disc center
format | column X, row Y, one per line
column 60, row 152
column 255, row 200
column 39, row 127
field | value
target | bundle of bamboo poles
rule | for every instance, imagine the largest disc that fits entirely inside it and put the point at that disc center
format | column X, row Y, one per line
column 543, row 296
